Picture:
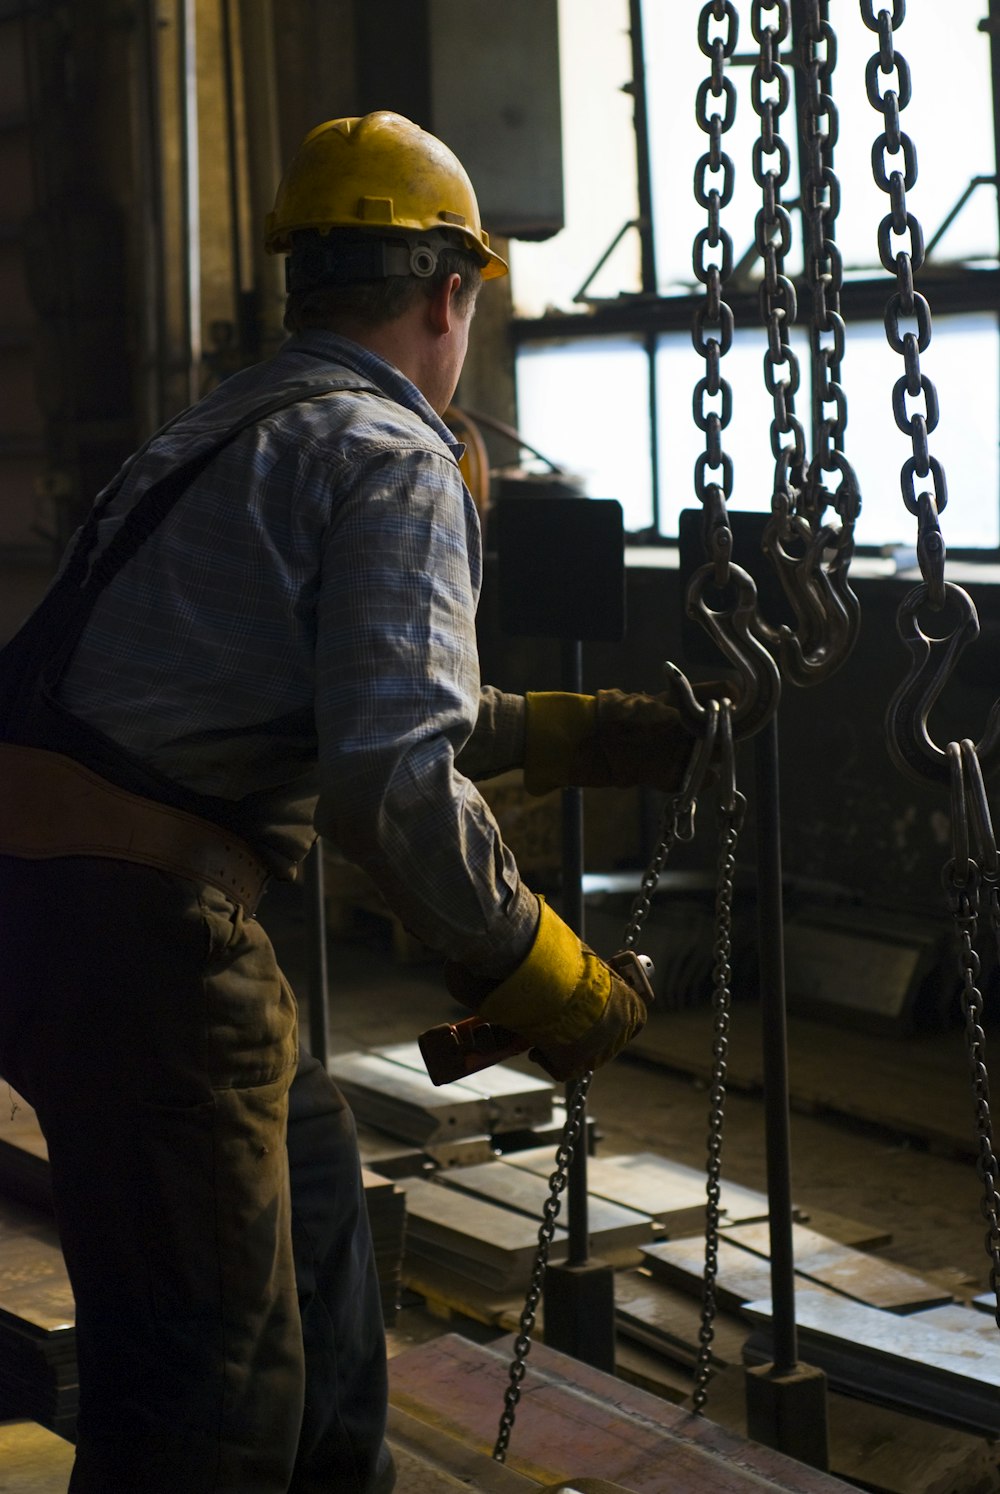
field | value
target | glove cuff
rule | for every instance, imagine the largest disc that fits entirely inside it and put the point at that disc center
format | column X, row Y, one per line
column 559, row 732
column 558, row 991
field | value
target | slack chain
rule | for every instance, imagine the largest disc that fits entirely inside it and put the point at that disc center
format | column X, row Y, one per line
column 550, row 1212
column 678, row 824
column 964, row 901
column 731, row 813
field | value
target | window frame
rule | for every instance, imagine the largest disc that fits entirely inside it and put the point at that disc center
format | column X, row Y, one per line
column 951, row 289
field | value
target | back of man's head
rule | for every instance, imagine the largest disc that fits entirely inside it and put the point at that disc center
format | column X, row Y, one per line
column 374, row 212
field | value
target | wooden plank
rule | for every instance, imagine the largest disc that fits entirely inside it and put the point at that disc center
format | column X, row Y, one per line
column 670, row 1192
column 866, row 1278
column 573, row 1420
column 892, row 1359
column 614, row 1233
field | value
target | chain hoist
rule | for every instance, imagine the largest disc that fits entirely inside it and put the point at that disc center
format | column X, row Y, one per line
column 960, row 764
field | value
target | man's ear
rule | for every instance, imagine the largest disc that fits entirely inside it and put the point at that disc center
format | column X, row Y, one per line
column 441, row 304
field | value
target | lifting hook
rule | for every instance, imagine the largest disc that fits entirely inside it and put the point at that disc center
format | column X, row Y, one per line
column 828, row 611
column 758, row 689
column 910, row 744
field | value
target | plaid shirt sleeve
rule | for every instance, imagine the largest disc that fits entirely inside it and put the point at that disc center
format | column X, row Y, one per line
column 398, row 695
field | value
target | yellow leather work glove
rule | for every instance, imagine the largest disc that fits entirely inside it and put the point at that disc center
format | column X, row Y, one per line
column 562, row 998
column 607, row 740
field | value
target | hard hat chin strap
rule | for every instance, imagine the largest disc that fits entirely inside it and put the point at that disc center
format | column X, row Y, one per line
column 340, row 259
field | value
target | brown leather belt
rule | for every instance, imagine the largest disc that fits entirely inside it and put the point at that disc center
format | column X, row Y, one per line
column 51, row 805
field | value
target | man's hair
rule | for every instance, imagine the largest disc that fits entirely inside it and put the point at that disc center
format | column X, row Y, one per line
column 329, row 303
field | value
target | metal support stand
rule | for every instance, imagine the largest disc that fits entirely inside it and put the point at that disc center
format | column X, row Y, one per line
column 786, row 1401
column 579, row 1295
column 319, row 1017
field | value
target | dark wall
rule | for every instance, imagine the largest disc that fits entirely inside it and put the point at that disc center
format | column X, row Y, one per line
column 853, row 827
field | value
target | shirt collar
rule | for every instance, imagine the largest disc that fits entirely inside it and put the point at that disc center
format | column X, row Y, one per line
column 330, row 347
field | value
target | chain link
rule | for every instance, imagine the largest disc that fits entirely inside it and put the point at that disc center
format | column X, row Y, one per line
column 550, row 1213
column 907, row 313
column 974, row 865
column 963, row 898
column 770, row 92
column 730, row 822
column 827, row 332
column 677, row 824
column 712, row 258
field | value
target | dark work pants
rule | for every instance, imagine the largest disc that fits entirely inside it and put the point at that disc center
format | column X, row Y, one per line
column 207, row 1189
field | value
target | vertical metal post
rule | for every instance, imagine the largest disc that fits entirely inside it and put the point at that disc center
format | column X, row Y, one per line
column 187, row 54
column 579, row 1293
column 785, row 1401
column 771, row 954
column 573, row 913
column 319, row 1018
column 640, row 116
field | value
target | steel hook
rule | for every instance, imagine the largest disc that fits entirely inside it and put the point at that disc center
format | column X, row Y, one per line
column 758, row 688
column 910, row 745
column 828, row 612
column 984, row 837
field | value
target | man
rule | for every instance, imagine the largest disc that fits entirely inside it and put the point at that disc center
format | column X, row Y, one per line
column 267, row 629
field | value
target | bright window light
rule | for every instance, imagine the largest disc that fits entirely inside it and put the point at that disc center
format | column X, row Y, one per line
column 586, row 406
column 599, row 171
column 963, row 361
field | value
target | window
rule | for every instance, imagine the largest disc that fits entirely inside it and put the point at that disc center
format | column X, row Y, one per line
column 605, row 380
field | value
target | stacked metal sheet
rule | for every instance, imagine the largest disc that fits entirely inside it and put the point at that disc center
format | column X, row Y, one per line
column 387, row 1217
column 37, row 1323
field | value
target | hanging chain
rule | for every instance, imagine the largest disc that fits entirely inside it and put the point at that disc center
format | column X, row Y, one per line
column 964, row 874
column 906, row 304
column 770, row 92
column 550, row 1212
column 825, row 273
column 712, row 255
column 678, row 824
column 731, row 812
column 906, row 718
column 811, row 559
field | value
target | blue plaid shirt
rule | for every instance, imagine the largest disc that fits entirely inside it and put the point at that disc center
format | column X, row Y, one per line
column 299, row 635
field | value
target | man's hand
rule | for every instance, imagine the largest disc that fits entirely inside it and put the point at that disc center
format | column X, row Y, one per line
column 563, row 999
column 611, row 739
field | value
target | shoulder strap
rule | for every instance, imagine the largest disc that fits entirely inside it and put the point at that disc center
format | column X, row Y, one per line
column 44, row 645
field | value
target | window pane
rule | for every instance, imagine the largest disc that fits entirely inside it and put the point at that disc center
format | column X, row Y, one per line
column 675, row 69
column 586, row 406
column 964, row 363
column 598, row 164
column 949, row 119
column 747, row 437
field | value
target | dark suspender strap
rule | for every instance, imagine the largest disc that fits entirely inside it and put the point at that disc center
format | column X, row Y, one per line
column 44, row 646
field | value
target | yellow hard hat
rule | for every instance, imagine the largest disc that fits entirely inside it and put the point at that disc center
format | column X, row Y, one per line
column 379, row 173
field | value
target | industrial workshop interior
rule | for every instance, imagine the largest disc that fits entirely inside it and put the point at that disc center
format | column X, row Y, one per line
column 729, row 430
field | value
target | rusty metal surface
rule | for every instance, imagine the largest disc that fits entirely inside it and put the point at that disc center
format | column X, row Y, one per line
column 577, row 1422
